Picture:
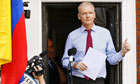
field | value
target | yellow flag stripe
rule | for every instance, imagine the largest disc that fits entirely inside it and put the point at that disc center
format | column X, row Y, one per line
column 5, row 32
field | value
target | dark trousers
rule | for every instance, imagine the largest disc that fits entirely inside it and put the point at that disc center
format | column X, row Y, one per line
column 78, row 80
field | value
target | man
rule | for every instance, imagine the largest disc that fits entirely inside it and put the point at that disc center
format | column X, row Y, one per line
column 91, row 35
column 56, row 73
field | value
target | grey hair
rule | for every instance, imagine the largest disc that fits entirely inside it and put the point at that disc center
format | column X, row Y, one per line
column 84, row 4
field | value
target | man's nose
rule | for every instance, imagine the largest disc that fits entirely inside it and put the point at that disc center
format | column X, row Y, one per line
column 87, row 15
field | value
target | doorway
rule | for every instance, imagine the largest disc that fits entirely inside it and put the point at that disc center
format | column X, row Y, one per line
column 59, row 19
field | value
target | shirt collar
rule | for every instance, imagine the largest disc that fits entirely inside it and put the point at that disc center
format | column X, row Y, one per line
column 93, row 28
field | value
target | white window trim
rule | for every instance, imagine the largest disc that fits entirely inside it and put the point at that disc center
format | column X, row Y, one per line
column 128, row 31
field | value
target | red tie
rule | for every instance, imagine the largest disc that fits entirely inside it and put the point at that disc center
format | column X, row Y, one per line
column 89, row 40
column 89, row 44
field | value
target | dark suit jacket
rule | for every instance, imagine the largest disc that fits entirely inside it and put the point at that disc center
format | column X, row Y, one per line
column 54, row 76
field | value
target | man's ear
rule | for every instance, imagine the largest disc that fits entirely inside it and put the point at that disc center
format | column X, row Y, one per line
column 78, row 16
column 94, row 14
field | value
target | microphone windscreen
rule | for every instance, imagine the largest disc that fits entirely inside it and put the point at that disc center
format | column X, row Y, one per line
column 72, row 51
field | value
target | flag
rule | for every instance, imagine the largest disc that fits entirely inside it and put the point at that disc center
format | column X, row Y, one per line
column 5, row 32
column 12, row 72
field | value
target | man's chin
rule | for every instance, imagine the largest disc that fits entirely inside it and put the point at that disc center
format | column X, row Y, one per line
column 88, row 24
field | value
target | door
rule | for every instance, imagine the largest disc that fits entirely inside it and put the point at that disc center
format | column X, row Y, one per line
column 59, row 19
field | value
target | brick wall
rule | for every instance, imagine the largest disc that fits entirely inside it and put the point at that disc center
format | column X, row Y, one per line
column 138, row 39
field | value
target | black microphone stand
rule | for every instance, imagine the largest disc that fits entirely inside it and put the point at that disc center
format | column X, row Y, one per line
column 70, row 79
column 71, row 53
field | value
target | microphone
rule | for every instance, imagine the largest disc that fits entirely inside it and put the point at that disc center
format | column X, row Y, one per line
column 71, row 53
column 43, row 53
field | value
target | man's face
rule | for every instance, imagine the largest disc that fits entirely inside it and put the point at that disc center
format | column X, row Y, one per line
column 50, row 49
column 86, row 15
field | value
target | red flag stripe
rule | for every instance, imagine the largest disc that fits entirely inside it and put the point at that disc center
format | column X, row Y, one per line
column 13, row 71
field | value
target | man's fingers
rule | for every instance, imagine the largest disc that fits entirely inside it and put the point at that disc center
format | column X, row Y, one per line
column 35, row 68
column 81, row 66
column 125, row 41
column 128, row 46
column 84, row 66
column 39, row 68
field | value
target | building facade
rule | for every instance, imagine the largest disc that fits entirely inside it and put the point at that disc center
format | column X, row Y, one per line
column 38, row 26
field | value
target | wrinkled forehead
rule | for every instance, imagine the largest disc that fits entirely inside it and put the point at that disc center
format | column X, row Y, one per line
column 85, row 6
